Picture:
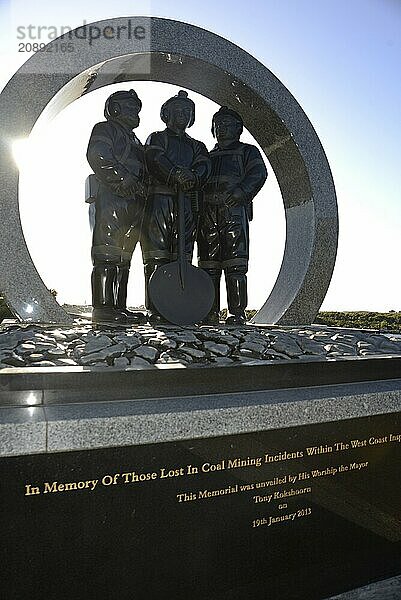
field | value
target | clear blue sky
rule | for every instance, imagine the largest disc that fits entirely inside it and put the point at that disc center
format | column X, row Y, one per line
column 342, row 61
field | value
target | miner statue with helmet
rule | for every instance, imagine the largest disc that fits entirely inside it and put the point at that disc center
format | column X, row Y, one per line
column 176, row 163
column 238, row 173
column 116, row 193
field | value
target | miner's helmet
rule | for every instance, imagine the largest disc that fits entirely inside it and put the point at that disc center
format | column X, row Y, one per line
column 182, row 96
column 224, row 111
column 112, row 106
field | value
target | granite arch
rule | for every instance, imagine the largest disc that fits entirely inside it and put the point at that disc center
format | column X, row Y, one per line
column 196, row 59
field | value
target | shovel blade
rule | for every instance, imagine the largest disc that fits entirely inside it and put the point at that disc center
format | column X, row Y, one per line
column 181, row 305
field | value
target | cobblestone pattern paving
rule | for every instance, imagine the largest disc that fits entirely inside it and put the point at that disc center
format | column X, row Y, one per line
column 143, row 346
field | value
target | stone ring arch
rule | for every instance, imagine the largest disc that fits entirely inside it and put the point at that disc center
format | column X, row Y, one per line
column 185, row 55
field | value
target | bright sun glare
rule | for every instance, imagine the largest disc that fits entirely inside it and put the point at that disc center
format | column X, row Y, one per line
column 20, row 152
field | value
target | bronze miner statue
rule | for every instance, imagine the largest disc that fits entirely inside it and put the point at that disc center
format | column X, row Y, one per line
column 238, row 173
column 176, row 163
column 117, row 192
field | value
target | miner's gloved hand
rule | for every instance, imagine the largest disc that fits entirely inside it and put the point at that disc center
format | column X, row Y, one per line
column 236, row 197
column 188, row 185
column 131, row 186
column 139, row 189
column 185, row 178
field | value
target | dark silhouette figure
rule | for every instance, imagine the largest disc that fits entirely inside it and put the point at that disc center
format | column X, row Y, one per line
column 238, row 173
column 174, row 161
column 118, row 192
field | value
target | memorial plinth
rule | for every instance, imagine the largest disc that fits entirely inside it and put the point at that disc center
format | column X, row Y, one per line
column 277, row 480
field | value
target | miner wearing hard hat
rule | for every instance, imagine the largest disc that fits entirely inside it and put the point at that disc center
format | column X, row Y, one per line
column 238, row 173
column 116, row 192
column 175, row 161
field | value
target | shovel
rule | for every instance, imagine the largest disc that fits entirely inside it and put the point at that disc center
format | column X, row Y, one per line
column 183, row 294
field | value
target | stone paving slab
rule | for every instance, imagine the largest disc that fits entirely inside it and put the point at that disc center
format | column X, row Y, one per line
column 87, row 425
column 144, row 346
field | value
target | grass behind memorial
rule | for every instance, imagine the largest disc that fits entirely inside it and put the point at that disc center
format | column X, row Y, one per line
column 383, row 321
column 389, row 321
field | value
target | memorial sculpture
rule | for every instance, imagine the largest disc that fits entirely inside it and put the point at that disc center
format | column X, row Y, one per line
column 238, row 174
column 117, row 193
column 189, row 195
column 180, row 446
column 176, row 163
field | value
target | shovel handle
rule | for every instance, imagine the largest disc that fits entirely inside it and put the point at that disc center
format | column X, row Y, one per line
column 181, row 235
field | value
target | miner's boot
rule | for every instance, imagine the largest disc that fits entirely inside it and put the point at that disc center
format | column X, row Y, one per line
column 237, row 297
column 213, row 317
column 103, row 288
column 154, row 317
column 134, row 318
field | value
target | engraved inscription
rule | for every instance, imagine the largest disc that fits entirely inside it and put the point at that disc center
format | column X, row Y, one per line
column 281, row 480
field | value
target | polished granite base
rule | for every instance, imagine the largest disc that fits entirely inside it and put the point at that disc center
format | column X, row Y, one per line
column 289, row 511
column 272, row 480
